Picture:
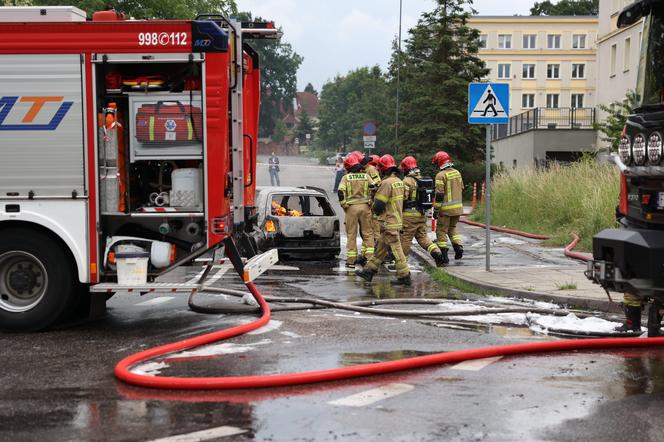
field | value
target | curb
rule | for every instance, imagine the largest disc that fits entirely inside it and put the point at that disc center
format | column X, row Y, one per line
column 570, row 301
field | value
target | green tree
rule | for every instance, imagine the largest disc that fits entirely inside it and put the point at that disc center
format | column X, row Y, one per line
column 151, row 9
column 310, row 88
column 566, row 7
column 280, row 131
column 617, row 112
column 278, row 65
column 439, row 60
column 349, row 101
column 304, row 126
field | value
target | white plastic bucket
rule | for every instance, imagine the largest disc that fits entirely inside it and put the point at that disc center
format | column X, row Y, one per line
column 132, row 268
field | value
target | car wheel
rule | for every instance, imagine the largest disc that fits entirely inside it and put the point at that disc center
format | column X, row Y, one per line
column 37, row 281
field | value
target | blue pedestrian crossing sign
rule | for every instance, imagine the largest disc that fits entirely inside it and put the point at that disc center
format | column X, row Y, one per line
column 488, row 103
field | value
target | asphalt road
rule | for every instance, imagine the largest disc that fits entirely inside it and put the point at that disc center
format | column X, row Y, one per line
column 59, row 385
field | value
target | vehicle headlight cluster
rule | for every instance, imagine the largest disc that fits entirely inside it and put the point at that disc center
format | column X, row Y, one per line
column 642, row 149
column 655, row 148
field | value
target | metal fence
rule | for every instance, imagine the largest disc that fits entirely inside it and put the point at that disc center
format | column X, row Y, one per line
column 546, row 118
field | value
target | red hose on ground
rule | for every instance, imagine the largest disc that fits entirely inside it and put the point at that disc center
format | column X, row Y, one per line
column 568, row 250
column 122, row 369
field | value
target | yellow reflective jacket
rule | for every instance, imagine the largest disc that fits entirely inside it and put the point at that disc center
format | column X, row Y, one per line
column 391, row 191
column 355, row 189
column 449, row 190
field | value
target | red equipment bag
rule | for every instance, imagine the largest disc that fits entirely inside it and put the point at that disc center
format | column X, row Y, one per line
column 168, row 122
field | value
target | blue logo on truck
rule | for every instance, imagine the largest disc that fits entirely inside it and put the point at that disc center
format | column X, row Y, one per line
column 38, row 102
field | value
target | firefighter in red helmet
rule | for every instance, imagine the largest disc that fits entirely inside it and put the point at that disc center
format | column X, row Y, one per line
column 355, row 199
column 418, row 199
column 388, row 205
column 448, row 206
column 370, row 164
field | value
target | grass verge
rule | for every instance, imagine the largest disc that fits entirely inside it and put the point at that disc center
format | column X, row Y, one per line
column 578, row 198
column 447, row 281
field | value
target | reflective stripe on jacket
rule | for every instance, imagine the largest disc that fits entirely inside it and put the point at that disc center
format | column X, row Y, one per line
column 391, row 192
column 449, row 192
column 355, row 187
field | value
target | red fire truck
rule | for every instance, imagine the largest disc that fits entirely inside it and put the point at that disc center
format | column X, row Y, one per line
column 122, row 142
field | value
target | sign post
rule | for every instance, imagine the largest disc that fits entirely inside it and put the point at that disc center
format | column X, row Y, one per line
column 488, row 103
column 369, row 129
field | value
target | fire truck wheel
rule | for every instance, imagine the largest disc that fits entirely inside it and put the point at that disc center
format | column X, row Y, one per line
column 37, row 281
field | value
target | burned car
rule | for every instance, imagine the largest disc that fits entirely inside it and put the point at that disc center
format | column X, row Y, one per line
column 297, row 221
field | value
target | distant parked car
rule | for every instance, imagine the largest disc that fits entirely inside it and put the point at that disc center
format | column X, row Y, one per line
column 297, row 221
column 331, row 161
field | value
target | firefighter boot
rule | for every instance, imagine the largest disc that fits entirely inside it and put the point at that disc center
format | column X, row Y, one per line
column 367, row 275
column 445, row 260
column 458, row 251
column 632, row 319
column 654, row 319
column 437, row 256
column 362, row 260
column 405, row 281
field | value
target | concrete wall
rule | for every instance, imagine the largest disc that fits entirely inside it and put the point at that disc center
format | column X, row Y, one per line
column 526, row 147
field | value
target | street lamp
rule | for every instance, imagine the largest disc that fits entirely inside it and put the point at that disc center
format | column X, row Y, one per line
column 396, row 119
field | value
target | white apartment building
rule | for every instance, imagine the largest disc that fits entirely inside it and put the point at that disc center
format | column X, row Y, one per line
column 618, row 56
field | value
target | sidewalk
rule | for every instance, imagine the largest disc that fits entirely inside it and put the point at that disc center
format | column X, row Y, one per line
column 522, row 267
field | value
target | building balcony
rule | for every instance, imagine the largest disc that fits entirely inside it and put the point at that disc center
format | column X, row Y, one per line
column 542, row 118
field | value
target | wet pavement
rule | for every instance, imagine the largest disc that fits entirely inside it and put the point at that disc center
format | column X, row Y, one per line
column 59, row 386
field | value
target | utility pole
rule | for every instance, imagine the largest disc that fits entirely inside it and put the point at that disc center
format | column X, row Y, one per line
column 396, row 119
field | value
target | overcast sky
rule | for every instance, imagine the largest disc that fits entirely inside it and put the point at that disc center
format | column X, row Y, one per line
column 335, row 36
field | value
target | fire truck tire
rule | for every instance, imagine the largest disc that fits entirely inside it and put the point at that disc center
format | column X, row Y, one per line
column 37, row 281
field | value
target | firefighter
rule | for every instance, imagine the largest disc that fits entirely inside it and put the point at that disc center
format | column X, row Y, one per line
column 448, row 206
column 355, row 200
column 374, row 176
column 414, row 211
column 388, row 205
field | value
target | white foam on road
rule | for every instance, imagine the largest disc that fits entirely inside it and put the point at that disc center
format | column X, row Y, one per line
column 571, row 323
column 149, row 368
column 475, row 364
column 372, row 396
column 219, row 349
column 156, row 301
column 203, row 435
column 270, row 326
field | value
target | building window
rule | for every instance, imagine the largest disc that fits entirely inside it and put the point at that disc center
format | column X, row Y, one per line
column 483, row 40
column 528, row 71
column 578, row 70
column 529, row 41
column 553, row 41
column 527, row 101
column 504, row 41
column 552, row 100
column 614, row 54
column 504, row 70
column 577, row 100
column 579, row 41
column 627, row 57
column 553, row 71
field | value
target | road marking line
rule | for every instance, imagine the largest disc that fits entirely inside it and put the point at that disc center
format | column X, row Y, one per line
column 157, row 301
column 369, row 397
column 475, row 364
column 202, row 435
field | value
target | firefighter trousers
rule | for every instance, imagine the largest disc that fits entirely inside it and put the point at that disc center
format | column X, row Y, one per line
column 446, row 226
column 358, row 216
column 389, row 240
column 416, row 227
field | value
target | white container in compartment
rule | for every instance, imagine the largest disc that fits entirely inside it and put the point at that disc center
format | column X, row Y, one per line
column 132, row 268
column 187, row 188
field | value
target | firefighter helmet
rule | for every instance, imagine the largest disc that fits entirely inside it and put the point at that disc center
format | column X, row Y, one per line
column 386, row 162
column 351, row 161
column 408, row 163
column 375, row 160
column 442, row 158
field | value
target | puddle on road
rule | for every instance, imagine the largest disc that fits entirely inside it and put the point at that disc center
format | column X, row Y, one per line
column 348, row 359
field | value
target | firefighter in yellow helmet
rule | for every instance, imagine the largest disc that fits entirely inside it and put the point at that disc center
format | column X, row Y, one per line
column 355, row 200
column 418, row 199
column 448, row 206
column 388, row 205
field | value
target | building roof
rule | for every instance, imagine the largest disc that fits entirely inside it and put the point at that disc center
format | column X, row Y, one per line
column 544, row 18
column 308, row 102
